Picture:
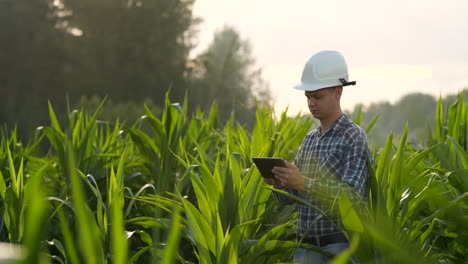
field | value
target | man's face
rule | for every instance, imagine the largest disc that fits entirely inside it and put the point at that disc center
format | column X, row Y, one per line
column 324, row 102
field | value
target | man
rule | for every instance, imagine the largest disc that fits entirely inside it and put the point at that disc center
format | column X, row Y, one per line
column 330, row 160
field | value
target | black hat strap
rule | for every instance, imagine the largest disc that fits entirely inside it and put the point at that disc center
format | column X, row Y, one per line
column 345, row 83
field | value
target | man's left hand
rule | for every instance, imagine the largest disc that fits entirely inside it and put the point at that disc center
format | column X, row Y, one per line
column 290, row 177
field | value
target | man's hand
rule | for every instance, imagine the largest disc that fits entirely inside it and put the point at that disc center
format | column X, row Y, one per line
column 273, row 181
column 289, row 177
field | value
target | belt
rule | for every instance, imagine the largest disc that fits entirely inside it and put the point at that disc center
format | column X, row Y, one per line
column 324, row 240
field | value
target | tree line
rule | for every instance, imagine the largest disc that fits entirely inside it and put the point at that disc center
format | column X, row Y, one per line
column 74, row 53
column 416, row 109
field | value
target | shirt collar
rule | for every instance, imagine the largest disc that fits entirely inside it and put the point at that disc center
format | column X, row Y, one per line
column 340, row 123
column 337, row 125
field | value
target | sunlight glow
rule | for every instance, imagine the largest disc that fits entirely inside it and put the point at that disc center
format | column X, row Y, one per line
column 75, row 32
column 394, row 72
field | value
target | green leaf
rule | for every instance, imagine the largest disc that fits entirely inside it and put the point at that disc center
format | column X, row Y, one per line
column 53, row 119
column 70, row 245
column 2, row 185
column 88, row 231
column 170, row 251
column 394, row 190
column 461, row 154
column 371, row 124
column 119, row 241
column 145, row 221
column 349, row 217
column 35, row 215
column 201, row 231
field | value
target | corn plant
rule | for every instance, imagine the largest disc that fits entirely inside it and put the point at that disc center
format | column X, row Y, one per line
column 182, row 189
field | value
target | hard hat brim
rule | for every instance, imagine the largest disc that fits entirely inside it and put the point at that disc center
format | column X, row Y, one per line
column 313, row 87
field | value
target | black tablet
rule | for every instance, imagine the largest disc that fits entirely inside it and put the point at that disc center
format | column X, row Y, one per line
column 265, row 165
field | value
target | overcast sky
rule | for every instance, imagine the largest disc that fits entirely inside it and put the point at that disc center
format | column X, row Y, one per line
column 391, row 47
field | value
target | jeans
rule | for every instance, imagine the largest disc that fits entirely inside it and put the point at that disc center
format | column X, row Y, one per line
column 308, row 256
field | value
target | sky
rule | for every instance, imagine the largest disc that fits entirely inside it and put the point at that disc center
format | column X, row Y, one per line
column 391, row 47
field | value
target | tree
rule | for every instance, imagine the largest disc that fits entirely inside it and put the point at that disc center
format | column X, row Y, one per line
column 130, row 49
column 225, row 72
column 30, row 62
column 417, row 109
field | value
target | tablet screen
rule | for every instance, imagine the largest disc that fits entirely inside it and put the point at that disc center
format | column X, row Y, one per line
column 266, row 164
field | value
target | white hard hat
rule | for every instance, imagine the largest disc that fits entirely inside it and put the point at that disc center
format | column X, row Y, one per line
column 324, row 69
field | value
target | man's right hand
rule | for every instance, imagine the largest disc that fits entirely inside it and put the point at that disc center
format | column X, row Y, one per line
column 273, row 181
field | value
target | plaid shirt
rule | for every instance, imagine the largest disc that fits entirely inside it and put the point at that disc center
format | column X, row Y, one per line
column 332, row 163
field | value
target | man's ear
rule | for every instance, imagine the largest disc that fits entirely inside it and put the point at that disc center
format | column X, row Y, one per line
column 339, row 91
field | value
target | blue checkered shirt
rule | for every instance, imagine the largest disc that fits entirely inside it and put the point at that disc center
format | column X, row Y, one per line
column 332, row 163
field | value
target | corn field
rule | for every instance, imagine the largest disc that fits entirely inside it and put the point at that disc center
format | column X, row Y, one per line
column 180, row 189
